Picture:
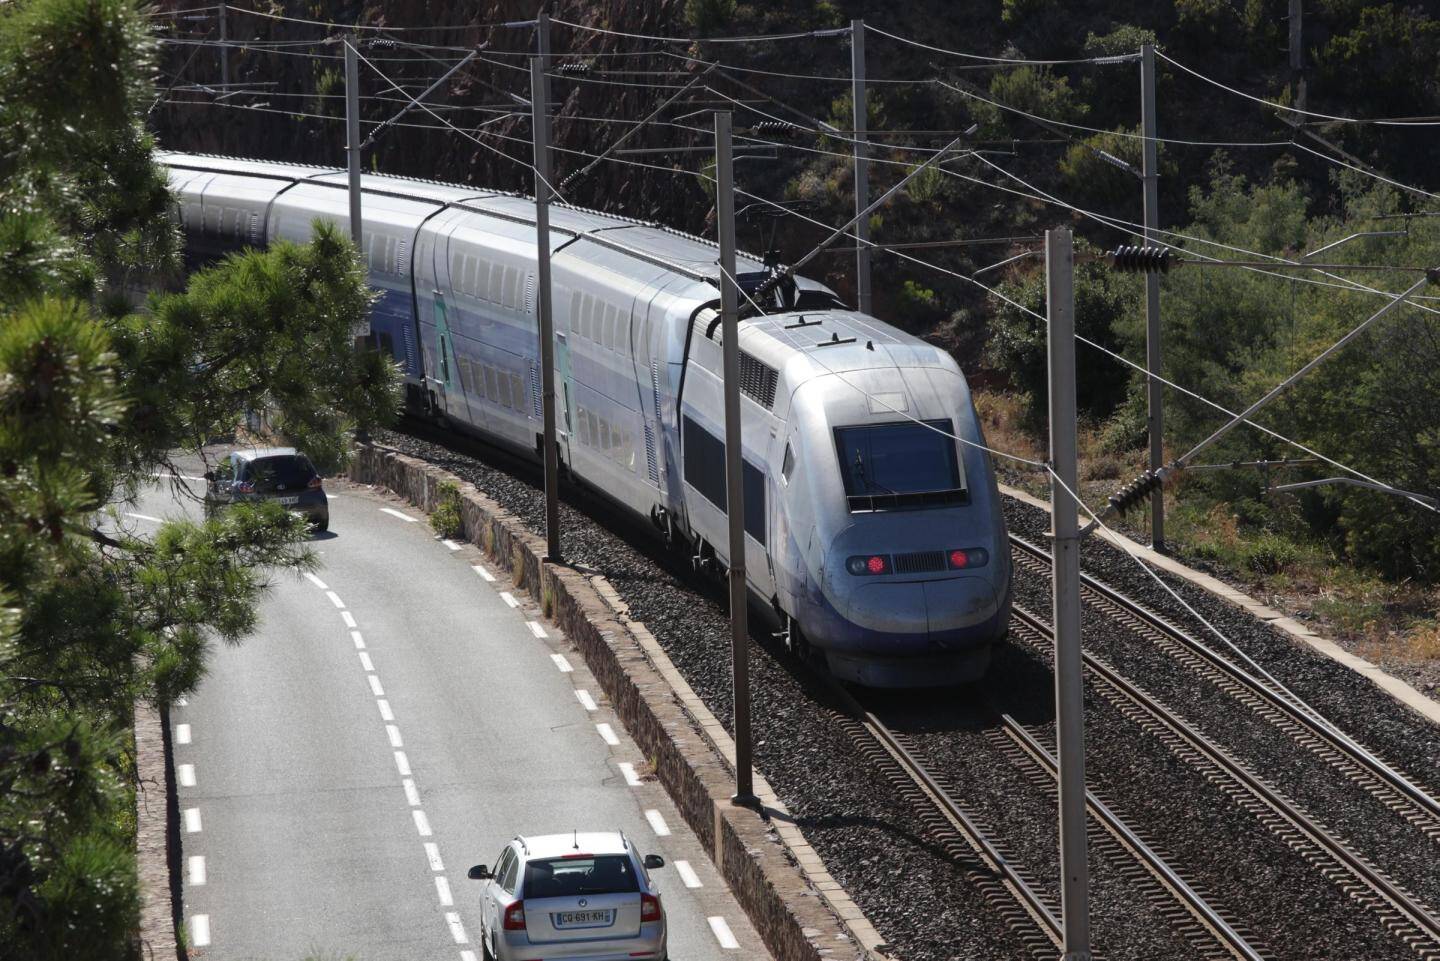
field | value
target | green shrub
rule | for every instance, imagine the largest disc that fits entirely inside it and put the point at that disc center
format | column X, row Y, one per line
column 709, row 16
column 446, row 518
column 1270, row 554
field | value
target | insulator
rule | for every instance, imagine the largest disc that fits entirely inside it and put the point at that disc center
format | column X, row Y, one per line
column 775, row 127
column 1134, row 492
column 1142, row 260
column 573, row 68
column 381, row 43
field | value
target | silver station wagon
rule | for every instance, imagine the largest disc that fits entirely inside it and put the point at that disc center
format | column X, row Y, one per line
column 571, row 896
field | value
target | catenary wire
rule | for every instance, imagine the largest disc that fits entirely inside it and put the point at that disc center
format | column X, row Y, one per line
column 1122, row 58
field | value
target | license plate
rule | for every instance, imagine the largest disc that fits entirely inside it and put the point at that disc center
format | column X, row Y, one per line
column 581, row 919
column 288, row 501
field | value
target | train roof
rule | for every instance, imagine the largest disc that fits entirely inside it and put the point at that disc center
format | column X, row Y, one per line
column 640, row 241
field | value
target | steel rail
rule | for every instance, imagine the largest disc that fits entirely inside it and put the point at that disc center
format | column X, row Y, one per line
column 1401, row 913
column 1375, row 775
column 968, row 838
column 1206, row 922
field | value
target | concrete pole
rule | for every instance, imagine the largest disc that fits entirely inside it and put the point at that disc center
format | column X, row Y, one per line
column 862, row 165
column 1154, row 390
column 542, row 38
column 734, row 472
column 1069, row 687
column 540, row 126
column 223, row 19
column 1297, row 51
column 352, row 139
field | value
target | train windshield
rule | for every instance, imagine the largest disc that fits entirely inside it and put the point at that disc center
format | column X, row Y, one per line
column 902, row 465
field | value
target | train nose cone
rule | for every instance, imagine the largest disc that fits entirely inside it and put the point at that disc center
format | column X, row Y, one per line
column 953, row 605
column 926, row 615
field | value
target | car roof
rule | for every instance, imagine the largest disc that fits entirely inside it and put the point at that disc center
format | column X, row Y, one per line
column 255, row 453
column 559, row 845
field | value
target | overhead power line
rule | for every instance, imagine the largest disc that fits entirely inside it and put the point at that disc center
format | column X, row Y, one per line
column 1019, row 61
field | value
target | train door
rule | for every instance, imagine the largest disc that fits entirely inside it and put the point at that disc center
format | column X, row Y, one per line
column 442, row 378
column 566, row 385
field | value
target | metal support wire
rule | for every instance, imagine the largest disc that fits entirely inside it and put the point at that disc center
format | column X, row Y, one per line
column 423, row 94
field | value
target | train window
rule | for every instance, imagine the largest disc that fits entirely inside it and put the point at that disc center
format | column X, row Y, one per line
column 788, row 467
column 704, row 462
column 492, row 386
column 754, row 481
column 904, row 464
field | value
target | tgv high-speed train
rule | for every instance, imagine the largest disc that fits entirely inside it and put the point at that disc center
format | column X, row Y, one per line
column 872, row 535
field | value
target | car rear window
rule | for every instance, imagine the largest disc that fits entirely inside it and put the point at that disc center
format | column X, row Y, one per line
column 290, row 471
column 583, row 874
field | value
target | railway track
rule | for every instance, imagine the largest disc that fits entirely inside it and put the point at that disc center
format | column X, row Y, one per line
column 1402, row 914
column 1030, row 912
column 1275, row 706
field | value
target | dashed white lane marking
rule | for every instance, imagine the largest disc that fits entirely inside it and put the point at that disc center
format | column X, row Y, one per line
column 509, row 598
column 335, row 599
column 186, row 775
column 402, row 763
column 457, row 930
column 200, row 930
column 442, row 891
column 385, row 713
column 687, row 874
column 394, row 513
column 560, row 662
column 316, row 581
column 162, row 474
column 432, row 854
column 631, row 778
column 374, row 680
column 422, row 823
column 181, row 702
column 144, row 517
column 365, row 662
column 412, row 795
column 349, row 620
column 481, row 570
column 192, row 820
column 358, row 639
column 393, row 733
column 607, row 733
column 586, row 701
column 723, row 933
column 467, row 956
column 182, row 734
column 657, row 822
column 450, row 544
column 536, row 628
column 196, row 869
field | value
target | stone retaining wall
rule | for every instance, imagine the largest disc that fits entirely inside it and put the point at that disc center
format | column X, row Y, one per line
column 790, row 915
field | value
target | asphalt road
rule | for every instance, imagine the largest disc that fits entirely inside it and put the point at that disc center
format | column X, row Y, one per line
column 395, row 719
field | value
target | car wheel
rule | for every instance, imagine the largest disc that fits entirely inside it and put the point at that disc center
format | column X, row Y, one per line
column 321, row 526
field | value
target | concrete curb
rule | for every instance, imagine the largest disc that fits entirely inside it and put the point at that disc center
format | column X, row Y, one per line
column 156, row 827
column 798, row 919
column 1396, row 688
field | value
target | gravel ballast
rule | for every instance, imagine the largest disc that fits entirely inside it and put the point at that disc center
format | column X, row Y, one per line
column 918, row 900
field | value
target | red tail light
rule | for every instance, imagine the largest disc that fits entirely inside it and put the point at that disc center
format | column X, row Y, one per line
column 515, row 917
column 866, row 564
column 649, row 907
column 315, row 483
column 244, row 487
column 969, row 557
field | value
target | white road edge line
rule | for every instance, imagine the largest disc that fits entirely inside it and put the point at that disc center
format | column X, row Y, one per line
column 192, row 820
column 480, row 569
column 432, row 854
column 412, row 795
column 631, row 778
column 402, row 763
column 195, row 872
column 366, row 663
column 185, row 774
column 442, row 890
column 349, row 620
column 687, row 874
column 393, row 733
column 200, row 930
column 385, row 713
column 467, row 956
column 586, row 701
column 374, row 680
column 182, row 734
column 358, row 639
column 560, row 661
column 457, row 930
column 657, row 822
column 316, row 581
column 422, row 823
column 537, row 629
column 723, row 934
column 144, row 517
column 450, row 544
column 335, row 599
column 509, row 598
column 404, row 517
column 607, row 734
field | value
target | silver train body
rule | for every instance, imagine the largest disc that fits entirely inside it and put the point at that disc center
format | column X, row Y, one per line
column 871, row 535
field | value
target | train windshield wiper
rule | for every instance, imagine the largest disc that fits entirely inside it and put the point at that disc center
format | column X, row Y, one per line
column 869, row 484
